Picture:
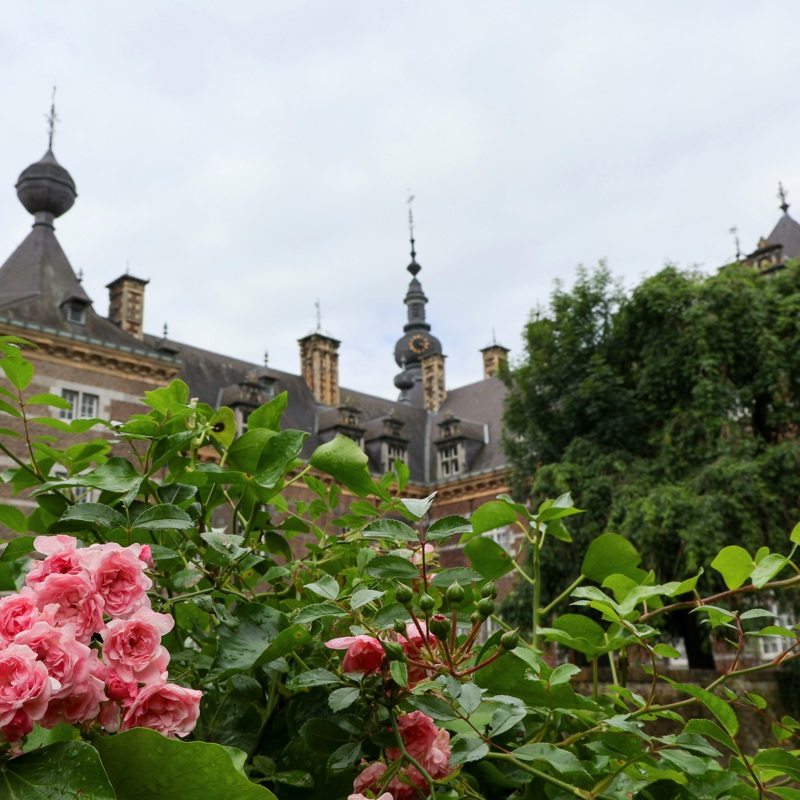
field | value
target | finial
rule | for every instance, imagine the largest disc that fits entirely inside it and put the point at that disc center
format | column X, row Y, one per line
column 51, row 120
column 413, row 267
column 782, row 196
column 80, row 276
column 494, row 336
column 165, row 330
column 266, row 358
column 735, row 233
column 319, row 315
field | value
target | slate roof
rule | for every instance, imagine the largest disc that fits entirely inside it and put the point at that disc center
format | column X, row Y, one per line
column 787, row 234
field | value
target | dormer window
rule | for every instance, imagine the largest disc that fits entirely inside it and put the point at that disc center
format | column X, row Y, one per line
column 76, row 312
column 449, row 460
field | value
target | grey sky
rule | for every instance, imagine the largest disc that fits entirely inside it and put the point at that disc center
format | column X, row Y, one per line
column 251, row 156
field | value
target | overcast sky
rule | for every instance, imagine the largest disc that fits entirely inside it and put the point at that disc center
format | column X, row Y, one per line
column 252, row 156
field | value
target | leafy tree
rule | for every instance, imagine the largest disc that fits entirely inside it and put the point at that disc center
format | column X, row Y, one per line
column 670, row 411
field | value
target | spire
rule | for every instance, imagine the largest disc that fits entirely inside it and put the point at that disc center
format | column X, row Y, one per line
column 782, row 198
column 52, row 118
column 413, row 267
column 734, row 231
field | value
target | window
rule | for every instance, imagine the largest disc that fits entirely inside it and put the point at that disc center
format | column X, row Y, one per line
column 448, row 461
column 84, row 405
column 89, row 405
column 72, row 398
column 393, row 453
column 76, row 312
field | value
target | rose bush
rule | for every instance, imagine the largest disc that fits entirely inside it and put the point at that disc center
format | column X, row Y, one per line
column 313, row 650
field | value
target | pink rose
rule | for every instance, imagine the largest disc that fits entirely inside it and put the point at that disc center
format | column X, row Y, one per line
column 427, row 553
column 369, row 777
column 167, row 708
column 62, row 558
column 437, row 761
column 66, row 660
column 419, row 734
column 117, row 689
column 75, row 603
column 120, row 580
column 146, row 556
column 359, row 796
column 24, row 684
column 20, row 725
column 80, row 706
column 132, row 647
column 18, row 612
column 110, row 719
column 364, row 653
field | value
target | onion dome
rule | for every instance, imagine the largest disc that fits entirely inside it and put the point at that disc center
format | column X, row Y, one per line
column 46, row 189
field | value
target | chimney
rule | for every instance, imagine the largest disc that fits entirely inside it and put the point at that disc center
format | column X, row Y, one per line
column 319, row 366
column 433, row 391
column 126, row 304
column 493, row 356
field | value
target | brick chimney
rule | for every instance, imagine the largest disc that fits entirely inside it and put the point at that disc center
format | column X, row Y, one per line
column 319, row 366
column 493, row 356
column 433, row 391
column 126, row 304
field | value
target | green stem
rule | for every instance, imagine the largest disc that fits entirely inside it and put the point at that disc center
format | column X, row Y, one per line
column 563, row 596
column 414, row 763
column 573, row 790
column 537, row 583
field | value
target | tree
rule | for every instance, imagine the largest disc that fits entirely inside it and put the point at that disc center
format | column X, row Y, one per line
column 671, row 411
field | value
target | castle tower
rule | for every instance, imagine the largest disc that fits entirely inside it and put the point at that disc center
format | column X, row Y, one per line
column 319, row 366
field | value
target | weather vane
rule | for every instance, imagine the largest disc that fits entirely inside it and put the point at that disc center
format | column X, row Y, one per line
column 735, row 233
column 166, row 330
column 410, row 215
column 52, row 118
column 782, row 197
column 266, row 358
column 319, row 315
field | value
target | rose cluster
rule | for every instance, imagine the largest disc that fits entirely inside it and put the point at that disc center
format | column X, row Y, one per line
column 52, row 668
column 425, row 743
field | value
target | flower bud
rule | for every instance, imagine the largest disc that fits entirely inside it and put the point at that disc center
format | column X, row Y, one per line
column 475, row 618
column 403, row 594
column 439, row 626
column 400, row 626
column 489, row 590
column 509, row 640
column 486, row 607
column 394, row 651
column 426, row 603
column 455, row 594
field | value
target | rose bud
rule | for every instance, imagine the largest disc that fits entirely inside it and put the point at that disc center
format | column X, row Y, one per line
column 489, row 590
column 455, row 594
column 394, row 651
column 509, row 640
column 426, row 603
column 486, row 607
column 403, row 594
column 439, row 626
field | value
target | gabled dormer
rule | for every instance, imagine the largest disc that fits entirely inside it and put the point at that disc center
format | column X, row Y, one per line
column 344, row 420
column 457, row 445
column 386, row 442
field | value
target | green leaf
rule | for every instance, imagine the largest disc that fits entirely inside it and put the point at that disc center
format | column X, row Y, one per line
column 778, row 761
column 318, row 611
column 716, row 705
column 399, row 673
column 223, row 426
column 466, row 748
column 326, row 586
column 269, row 415
column 486, row 556
column 17, row 548
column 418, row 507
column 163, row 517
column 390, row 529
column 433, row 706
column 448, row 526
column 13, row 518
column 60, row 771
column 344, row 757
column 735, row 564
column 46, row 399
column 340, row 699
column 170, row 400
column 489, row 516
column 7, row 408
column 347, row 463
column 95, row 514
column 666, row 651
column 18, row 370
column 463, row 575
column 143, row 763
column 364, row 596
column 563, row 673
column 557, row 758
column 767, row 569
column 392, row 567
column 314, row 677
column 508, row 715
column 609, row 554
column 241, row 648
column 470, row 697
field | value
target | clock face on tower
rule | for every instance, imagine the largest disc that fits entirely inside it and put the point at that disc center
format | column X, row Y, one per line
column 418, row 343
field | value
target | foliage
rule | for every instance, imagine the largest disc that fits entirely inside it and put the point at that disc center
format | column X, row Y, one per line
column 670, row 411
column 338, row 658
